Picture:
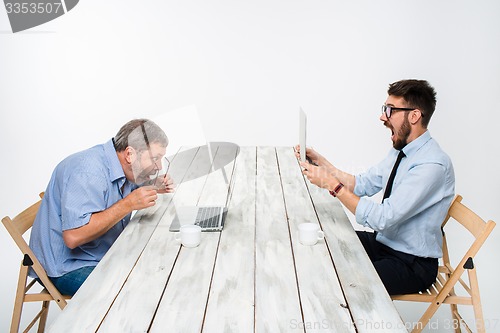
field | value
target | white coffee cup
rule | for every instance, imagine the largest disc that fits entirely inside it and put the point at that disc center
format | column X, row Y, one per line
column 189, row 235
column 309, row 233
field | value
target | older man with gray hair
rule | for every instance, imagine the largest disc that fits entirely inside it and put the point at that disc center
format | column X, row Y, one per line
column 90, row 197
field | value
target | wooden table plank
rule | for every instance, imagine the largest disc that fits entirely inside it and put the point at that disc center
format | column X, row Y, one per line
column 183, row 304
column 86, row 311
column 141, row 294
column 323, row 305
column 370, row 305
column 276, row 294
column 230, row 305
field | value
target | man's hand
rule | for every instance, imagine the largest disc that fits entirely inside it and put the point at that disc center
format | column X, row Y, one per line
column 143, row 197
column 164, row 184
column 319, row 175
column 312, row 156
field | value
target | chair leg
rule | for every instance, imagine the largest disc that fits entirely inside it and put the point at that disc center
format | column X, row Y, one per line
column 476, row 301
column 455, row 317
column 418, row 327
column 18, row 303
column 43, row 317
column 424, row 320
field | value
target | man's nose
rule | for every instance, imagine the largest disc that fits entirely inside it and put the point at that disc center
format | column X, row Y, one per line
column 383, row 117
column 156, row 167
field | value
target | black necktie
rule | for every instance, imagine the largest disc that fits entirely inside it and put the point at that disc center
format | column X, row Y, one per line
column 388, row 188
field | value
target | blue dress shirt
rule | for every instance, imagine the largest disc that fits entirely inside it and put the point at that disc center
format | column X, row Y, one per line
column 83, row 183
column 410, row 219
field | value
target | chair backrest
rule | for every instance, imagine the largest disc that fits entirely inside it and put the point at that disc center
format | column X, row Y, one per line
column 17, row 227
column 20, row 224
column 478, row 228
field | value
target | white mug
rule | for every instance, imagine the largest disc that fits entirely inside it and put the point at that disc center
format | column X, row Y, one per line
column 189, row 235
column 309, row 233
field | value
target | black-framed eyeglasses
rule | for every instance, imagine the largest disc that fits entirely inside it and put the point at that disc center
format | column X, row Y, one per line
column 388, row 110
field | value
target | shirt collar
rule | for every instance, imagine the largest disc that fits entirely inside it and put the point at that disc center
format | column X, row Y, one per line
column 416, row 144
column 114, row 165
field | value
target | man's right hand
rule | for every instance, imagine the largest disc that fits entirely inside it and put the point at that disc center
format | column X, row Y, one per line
column 312, row 155
column 142, row 197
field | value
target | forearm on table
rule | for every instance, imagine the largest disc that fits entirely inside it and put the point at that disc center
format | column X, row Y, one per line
column 98, row 224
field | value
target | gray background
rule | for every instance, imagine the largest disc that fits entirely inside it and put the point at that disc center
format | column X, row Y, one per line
column 241, row 69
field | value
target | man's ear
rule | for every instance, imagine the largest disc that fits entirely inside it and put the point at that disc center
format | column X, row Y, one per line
column 415, row 116
column 130, row 155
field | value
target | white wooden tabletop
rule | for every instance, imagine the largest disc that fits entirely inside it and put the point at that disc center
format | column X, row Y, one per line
column 254, row 276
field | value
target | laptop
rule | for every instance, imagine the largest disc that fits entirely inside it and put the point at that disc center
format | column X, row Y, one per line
column 209, row 218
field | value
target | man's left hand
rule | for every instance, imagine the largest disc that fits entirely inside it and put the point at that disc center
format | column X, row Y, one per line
column 165, row 184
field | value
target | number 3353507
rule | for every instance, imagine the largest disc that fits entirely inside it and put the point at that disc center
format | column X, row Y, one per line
column 33, row 8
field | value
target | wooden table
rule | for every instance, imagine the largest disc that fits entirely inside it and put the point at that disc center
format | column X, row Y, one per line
column 254, row 276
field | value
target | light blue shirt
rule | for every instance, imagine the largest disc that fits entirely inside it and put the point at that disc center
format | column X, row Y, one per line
column 84, row 183
column 410, row 219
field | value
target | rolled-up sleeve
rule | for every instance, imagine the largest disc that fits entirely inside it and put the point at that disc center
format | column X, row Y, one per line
column 363, row 211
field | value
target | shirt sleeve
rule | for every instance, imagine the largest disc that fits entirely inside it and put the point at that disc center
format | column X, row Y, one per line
column 370, row 182
column 420, row 188
column 84, row 194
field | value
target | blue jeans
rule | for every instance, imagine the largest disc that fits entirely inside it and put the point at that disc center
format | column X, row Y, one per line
column 69, row 283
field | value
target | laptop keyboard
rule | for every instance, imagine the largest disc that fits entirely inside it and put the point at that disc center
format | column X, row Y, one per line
column 208, row 217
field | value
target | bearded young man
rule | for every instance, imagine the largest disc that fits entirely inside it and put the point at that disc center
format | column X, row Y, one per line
column 89, row 200
column 418, row 182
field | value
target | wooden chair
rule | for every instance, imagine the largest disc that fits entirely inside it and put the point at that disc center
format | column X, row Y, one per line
column 17, row 227
column 443, row 290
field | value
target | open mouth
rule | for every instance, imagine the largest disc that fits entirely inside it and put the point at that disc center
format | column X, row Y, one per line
column 388, row 125
column 146, row 176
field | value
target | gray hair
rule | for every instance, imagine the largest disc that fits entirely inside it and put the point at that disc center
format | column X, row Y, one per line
column 139, row 134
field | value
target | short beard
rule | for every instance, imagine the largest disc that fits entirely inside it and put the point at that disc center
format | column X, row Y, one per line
column 401, row 139
column 140, row 176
